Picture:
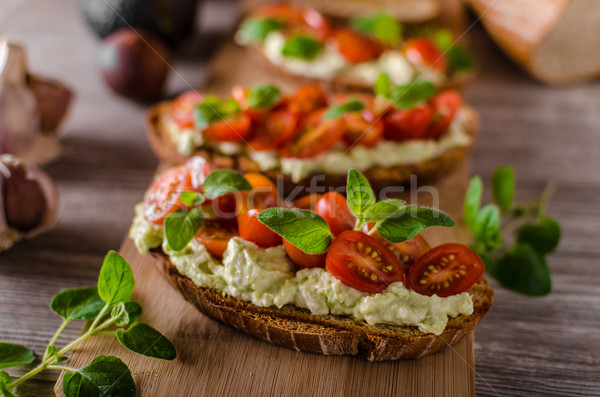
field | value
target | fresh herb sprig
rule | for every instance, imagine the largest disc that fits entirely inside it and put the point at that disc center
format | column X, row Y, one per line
column 181, row 225
column 254, row 30
column 403, row 96
column 393, row 219
column 383, row 27
column 512, row 238
column 109, row 311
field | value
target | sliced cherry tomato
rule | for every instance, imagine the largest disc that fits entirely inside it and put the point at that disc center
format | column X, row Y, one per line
column 315, row 136
column 445, row 105
column 199, row 169
column 363, row 128
column 296, row 18
column 424, row 53
column 407, row 124
column 163, row 196
column 362, row 262
column 334, row 209
column 445, row 270
column 215, row 235
column 301, row 258
column 355, row 47
column 252, row 229
column 308, row 202
column 263, row 194
column 407, row 251
column 308, row 99
column 182, row 110
column 277, row 128
column 232, row 129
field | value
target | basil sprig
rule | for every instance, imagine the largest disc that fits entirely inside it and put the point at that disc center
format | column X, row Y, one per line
column 301, row 47
column 182, row 224
column 213, row 110
column 393, row 219
column 255, row 30
column 383, row 27
column 352, row 105
column 459, row 59
column 105, row 306
column 403, row 96
column 521, row 267
column 263, row 96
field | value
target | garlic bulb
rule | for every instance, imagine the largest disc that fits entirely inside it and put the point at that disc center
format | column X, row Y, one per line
column 28, row 200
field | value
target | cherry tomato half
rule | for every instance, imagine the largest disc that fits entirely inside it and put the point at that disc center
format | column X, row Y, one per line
column 263, row 194
column 199, row 169
column 407, row 124
column 215, row 235
column 251, row 229
column 315, row 136
column 407, row 252
column 308, row 99
column 334, row 209
column 276, row 129
column 301, row 258
column 308, row 202
column 232, row 129
column 182, row 109
column 363, row 128
column 445, row 270
column 355, row 47
column 162, row 197
column 445, row 105
column 424, row 53
column 363, row 263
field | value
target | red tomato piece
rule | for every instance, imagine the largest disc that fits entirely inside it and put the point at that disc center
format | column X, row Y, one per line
column 334, row 209
column 162, row 197
column 182, row 109
column 363, row 263
column 363, row 128
column 445, row 105
column 301, row 258
column 251, row 229
column 263, row 195
column 355, row 47
column 407, row 124
column 308, row 99
column 407, row 251
column 199, row 169
column 297, row 19
column 445, row 270
column 232, row 129
column 275, row 130
column 215, row 235
column 308, row 202
column 424, row 53
column 315, row 136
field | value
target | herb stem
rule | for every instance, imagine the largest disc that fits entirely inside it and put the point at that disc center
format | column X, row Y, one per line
column 28, row 375
column 56, row 335
column 62, row 368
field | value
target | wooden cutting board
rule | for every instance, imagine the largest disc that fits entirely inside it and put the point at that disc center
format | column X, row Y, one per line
column 216, row 360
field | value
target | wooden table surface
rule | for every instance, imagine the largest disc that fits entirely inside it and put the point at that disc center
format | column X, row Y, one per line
column 524, row 347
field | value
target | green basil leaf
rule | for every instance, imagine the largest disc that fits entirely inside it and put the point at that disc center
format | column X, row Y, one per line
column 472, row 200
column 503, row 187
column 116, row 281
column 409, row 95
column 459, row 59
column 304, row 229
column 134, row 311
column 143, row 339
column 104, row 376
column 5, row 380
column 383, row 210
column 359, row 193
column 542, row 236
column 383, row 86
column 301, row 47
column 222, row 182
column 410, row 221
column 181, row 225
column 523, row 270
column 191, row 199
column 383, row 27
column 353, row 105
column 14, row 355
column 256, row 30
column 486, row 228
column 213, row 110
column 78, row 303
column 263, row 96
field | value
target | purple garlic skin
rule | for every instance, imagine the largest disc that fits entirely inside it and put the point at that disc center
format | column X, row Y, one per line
column 28, row 200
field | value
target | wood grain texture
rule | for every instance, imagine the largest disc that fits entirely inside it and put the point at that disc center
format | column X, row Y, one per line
column 216, row 360
column 524, row 347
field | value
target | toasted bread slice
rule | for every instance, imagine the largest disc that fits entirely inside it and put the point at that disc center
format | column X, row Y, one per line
column 379, row 177
column 298, row 329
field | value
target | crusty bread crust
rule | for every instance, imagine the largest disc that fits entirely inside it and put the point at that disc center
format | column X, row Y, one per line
column 342, row 83
column 379, row 177
column 297, row 329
